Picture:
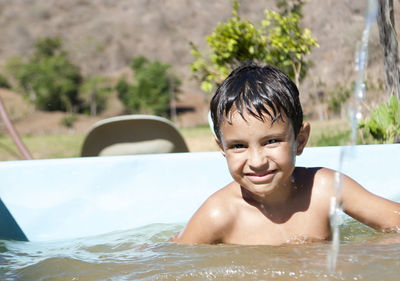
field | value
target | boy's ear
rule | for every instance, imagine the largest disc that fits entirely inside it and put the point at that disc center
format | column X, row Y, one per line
column 302, row 137
column 221, row 147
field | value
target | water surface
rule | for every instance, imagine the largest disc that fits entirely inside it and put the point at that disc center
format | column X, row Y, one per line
column 145, row 254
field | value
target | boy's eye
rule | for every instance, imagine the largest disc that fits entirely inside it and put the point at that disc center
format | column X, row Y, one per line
column 272, row 141
column 236, row 146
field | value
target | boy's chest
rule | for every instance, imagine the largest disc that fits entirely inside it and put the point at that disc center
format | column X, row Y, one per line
column 300, row 227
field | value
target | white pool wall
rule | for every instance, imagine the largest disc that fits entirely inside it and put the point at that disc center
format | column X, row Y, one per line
column 78, row 197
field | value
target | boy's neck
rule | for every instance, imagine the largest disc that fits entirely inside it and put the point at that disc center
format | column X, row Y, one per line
column 294, row 197
column 276, row 199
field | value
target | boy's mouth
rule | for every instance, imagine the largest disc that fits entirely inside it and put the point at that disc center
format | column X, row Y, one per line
column 260, row 177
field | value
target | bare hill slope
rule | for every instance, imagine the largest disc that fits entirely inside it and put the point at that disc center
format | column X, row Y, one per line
column 103, row 36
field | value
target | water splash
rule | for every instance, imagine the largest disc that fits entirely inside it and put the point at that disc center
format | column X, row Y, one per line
column 356, row 116
column 360, row 65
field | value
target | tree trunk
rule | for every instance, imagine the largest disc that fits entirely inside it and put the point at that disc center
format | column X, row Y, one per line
column 296, row 71
column 387, row 36
column 93, row 104
column 172, row 100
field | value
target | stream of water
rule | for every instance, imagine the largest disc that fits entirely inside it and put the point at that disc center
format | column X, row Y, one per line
column 355, row 116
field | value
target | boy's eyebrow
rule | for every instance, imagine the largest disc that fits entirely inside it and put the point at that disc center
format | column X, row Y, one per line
column 275, row 135
column 233, row 141
column 266, row 136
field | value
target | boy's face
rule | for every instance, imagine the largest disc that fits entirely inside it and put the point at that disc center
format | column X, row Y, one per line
column 260, row 154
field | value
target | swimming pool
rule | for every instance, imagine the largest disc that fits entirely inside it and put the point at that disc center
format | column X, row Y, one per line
column 109, row 218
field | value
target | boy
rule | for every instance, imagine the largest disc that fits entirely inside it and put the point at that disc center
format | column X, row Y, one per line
column 258, row 123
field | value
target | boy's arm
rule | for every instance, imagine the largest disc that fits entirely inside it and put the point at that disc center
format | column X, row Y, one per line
column 207, row 226
column 377, row 212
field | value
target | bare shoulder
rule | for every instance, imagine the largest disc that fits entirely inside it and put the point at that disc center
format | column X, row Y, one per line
column 219, row 208
column 322, row 181
column 377, row 212
column 326, row 176
column 332, row 183
column 316, row 186
column 212, row 220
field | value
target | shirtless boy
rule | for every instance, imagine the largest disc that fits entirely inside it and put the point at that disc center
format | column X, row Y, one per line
column 258, row 123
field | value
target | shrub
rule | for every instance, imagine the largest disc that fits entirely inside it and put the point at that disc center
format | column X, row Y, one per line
column 151, row 91
column 280, row 41
column 337, row 98
column 4, row 82
column 49, row 78
column 94, row 93
column 384, row 122
column 69, row 120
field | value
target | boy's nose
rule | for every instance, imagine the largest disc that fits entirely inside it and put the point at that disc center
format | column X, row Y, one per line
column 257, row 158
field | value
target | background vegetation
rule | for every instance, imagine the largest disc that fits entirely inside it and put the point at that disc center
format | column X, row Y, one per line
column 49, row 79
column 198, row 139
column 152, row 90
column 53, row 78
column 280, row 40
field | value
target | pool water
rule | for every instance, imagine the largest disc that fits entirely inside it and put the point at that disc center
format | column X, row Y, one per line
column 144, row 254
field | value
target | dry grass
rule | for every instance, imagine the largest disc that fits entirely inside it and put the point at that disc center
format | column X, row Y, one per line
column 42, row 147
column 69, row 145
column 198, row 139
column 326, row 129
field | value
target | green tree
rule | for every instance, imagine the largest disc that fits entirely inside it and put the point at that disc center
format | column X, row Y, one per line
column 151, row 91
column 50, row 79
column 290, row 6
column 280, row 40
column 288, row 43
column 47, row 47
column 94, row 93
column 232, row 43
column 338, row 97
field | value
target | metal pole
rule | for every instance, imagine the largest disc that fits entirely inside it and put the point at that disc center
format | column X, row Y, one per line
column 14, row 135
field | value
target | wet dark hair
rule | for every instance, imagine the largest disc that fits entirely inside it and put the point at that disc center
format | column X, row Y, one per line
column 258, row 90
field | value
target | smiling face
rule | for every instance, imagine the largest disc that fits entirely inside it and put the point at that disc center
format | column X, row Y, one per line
column 261, row 154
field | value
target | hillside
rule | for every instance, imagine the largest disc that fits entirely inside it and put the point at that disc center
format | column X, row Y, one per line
column 103, row 36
